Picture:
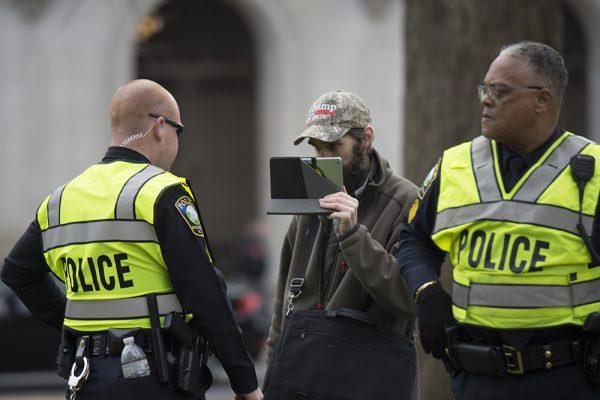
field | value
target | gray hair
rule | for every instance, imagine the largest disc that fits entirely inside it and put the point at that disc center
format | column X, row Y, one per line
column 548, row 65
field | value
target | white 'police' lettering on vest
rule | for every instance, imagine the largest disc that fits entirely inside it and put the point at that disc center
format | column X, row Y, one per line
column 518, row 253
column 99, row 273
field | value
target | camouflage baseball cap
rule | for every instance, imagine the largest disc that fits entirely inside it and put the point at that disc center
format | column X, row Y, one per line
column 334, row 114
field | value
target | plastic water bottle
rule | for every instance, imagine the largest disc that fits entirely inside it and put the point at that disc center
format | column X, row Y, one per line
column 133, row 360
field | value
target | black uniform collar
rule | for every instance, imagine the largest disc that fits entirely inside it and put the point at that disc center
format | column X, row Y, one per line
column 118, row 153
column 506, row 153
column 513, row 165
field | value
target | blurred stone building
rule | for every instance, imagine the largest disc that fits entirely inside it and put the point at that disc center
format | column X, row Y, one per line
column 244, row 73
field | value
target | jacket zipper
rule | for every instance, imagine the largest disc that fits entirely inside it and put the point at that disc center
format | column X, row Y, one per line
column 327, row 290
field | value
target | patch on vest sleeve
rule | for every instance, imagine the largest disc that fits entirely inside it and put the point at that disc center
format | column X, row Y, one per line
column 429, row 179
column 186, row 208
column 413, row 210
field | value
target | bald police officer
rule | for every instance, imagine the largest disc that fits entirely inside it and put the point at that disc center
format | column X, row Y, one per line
column 123, row 232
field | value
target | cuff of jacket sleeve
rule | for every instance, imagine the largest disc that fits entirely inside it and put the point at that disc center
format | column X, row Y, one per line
column 245, row 382
column 353, row 236
column 349, row 233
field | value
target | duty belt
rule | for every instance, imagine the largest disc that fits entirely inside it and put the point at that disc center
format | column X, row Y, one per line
column 104, row 344
column 505, row 359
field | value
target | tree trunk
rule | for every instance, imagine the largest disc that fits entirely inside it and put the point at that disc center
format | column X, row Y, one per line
column 450, row 45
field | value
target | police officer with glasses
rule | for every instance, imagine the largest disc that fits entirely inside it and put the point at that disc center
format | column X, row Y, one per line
column 513, row 209
column 143, row 296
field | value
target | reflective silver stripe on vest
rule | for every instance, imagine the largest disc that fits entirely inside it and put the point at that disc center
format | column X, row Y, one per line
column 54, row 206
column 513, row 211
column 483, row 167
column 460, row 295
column 125, row 203
column 526, row 296
column 98, row 231
column 135, row 307
column 546, row 173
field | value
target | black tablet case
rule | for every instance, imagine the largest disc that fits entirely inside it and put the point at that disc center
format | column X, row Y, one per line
column 296, row 187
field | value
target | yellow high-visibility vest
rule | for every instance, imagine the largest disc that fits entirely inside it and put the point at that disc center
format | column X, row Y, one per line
column 98, row 237
column 519, row 260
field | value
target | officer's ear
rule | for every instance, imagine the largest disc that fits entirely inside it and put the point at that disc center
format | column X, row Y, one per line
column 543, row 100
column 369, row 135
column 159, row 129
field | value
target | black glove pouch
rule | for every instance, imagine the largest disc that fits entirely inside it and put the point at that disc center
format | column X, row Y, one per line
column 482, row 359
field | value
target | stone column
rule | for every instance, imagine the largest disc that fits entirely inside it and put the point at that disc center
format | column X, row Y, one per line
column 61, row 62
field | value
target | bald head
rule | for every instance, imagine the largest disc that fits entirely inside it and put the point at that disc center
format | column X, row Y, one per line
column 131, row 104
column 132, row 127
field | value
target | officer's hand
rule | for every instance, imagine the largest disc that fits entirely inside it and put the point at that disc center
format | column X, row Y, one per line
column 434, row 311
column 345, row 207
column 256, row 395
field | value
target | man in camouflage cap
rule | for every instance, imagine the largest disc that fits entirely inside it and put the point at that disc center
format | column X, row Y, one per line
column 338, row 125
column 354, row 244
column 333, row 115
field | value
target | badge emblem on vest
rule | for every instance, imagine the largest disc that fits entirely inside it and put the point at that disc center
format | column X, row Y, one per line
column 413, row 210
column 186, row 208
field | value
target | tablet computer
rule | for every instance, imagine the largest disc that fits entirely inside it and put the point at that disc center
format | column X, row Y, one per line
column 297, row 183
column 328, row 167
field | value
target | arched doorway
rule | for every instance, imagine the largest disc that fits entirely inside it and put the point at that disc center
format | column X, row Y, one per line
column 202, row 52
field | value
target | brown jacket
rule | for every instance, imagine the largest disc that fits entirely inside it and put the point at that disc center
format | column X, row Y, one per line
column 372, row 280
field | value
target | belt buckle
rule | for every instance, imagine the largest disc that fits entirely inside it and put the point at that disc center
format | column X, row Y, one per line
column 513, row 360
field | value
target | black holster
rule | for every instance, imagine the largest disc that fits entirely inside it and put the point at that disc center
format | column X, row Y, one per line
column 450, row 358
column 591, row 353
column 192, row 375
column 66, row 353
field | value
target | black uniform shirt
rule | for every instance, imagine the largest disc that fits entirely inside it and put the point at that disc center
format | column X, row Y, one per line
column 199, row 285
column 419, row 257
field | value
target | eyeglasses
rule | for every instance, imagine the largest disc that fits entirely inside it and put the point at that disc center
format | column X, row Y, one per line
column 497, row 92
column 178, row 127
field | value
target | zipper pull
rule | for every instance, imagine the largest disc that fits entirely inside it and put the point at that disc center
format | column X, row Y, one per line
column 343, row 266
column 302, row 335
